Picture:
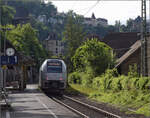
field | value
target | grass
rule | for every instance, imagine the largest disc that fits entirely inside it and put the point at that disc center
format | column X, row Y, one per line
column 135, row 99
column 76, row 88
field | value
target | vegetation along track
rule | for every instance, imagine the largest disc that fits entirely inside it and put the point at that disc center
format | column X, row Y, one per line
column 83, row 109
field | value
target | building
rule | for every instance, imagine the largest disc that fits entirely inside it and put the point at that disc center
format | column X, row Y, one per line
column 59, row 18
column 42, row 18
column 121, row 42
column 20, row 20
column 54, row 45
column 21, row 15
column 133, row 56
column 95, row 21
column 126, row 47
column 93, row 36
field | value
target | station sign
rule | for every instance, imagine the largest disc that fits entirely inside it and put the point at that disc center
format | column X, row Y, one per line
column 9, row 60
column 4, row 60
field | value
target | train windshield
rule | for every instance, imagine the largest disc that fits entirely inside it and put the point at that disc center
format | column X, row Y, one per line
column 54, row 67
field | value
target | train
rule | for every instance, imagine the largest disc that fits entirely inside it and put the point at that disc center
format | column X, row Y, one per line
column 53, row 75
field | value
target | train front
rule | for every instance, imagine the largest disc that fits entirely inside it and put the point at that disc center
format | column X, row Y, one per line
column 55, row 77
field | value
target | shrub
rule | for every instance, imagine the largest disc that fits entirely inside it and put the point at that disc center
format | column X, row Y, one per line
column 87, row 79
column 94, row 54
column 141, row 83
column 104, row 81
column 147, row 86
column 111, row 73
column 133, row 71
column 96, row 83
column 125, row 82
column 74, row 78
column 116, row 84
column 134, row 82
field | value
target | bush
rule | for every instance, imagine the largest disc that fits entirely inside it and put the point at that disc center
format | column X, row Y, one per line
column 74, row 78
column 125, row 82
column 104, row 81
column 95, row 55
column 134, row 82
column 96, row 83
column 141, row 83
column 116, row 84
column 87, row 79
column 147, row 86
column 133, row 71
column 110, row 73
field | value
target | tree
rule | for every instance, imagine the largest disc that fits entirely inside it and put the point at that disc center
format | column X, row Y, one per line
column 7, row 14
column 118, row 25
column 73, row 36
column 93, row 56
column 130, row 24
column 42, row 29
column 33, row 7
column 25, row 40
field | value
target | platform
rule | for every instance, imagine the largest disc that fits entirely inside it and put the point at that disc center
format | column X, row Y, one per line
column 34, row 104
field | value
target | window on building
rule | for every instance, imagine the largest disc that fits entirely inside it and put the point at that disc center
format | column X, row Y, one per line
column 56, row 50
column 56, row 43
column 62, row 43
column 54, row 36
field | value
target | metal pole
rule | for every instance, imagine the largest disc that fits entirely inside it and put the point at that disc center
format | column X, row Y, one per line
column 0, row 55
column 143, row 40
column 0, row 64
column 4, row 76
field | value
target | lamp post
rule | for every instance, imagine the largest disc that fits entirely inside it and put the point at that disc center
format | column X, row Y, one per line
column 0, row 56
column 0, row 62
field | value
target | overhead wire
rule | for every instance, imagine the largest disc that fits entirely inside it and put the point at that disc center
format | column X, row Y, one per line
column 92, row 7
column 74, row 4
column 24, row 0
column 81, row 10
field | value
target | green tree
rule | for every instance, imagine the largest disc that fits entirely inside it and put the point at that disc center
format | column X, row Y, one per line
column 7, row 14
column 118, row 25
column 73, row 36
column 130, row 24
column 42, row 29
column 24, row 38
column 94, row 57
column 33, row 7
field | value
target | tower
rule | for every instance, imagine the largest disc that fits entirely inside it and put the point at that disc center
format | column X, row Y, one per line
column 93, row 16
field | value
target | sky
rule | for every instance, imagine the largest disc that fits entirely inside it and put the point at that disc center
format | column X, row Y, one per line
column 110, row 10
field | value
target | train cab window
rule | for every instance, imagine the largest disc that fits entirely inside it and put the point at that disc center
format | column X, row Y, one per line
column 54, row 67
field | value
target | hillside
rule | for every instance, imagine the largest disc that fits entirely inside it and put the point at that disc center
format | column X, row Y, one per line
column 46, row 19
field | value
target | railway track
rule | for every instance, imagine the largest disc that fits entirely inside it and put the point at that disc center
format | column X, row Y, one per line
column 83, row 109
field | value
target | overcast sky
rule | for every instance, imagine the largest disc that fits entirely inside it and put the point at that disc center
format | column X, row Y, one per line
column 111, row 10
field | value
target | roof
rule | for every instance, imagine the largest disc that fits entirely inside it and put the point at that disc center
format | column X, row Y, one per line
column 121, row 42
column 21, row 18
column 133, row 48
column 53, row 36
column 91, row 36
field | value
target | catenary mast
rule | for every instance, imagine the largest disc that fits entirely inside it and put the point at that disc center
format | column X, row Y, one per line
column 144, row 68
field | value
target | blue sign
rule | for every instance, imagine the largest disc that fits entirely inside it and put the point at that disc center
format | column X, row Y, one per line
column 9, row 60
column 4, row 60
